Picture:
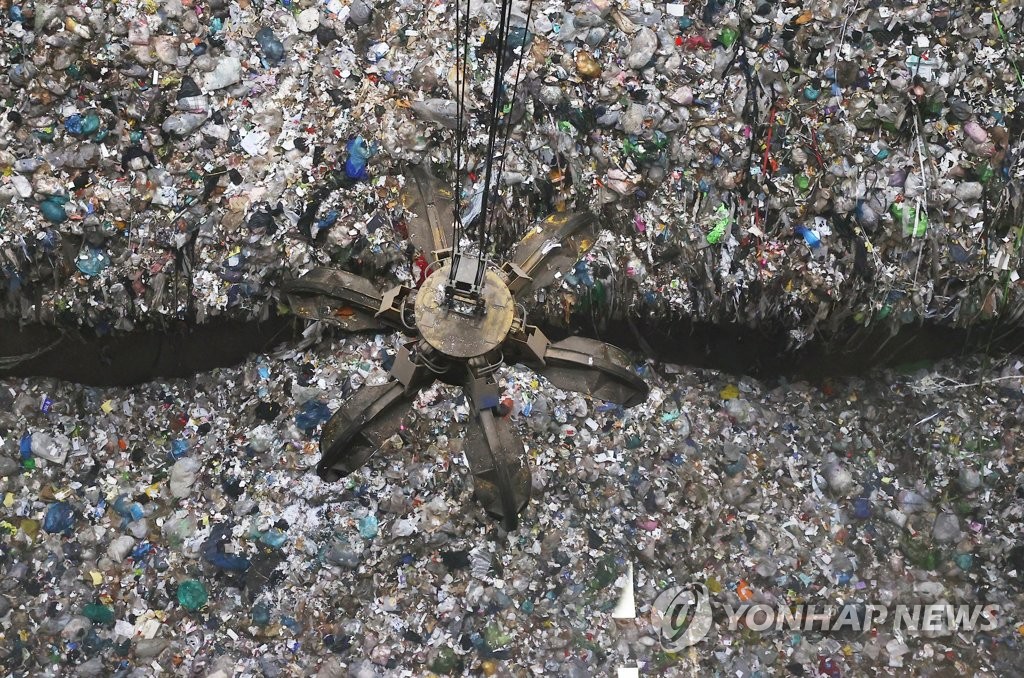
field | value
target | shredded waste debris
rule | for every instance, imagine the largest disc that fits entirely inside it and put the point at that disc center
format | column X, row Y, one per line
column 810, row 165
column 180, row 527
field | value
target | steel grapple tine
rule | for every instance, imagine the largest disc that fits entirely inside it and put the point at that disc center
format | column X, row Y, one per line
column 354, row 434
column 549, row 249
column 501, row 473
column 593, row 368
column 432, row 213
column 335, row 296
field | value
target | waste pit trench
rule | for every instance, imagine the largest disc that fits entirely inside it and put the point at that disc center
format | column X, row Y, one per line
column 181, row 351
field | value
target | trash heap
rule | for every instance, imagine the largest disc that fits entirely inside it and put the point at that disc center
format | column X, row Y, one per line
column 178, row 527
column 810, row 165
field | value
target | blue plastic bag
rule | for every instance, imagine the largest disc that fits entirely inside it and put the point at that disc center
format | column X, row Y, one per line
column 359, row 153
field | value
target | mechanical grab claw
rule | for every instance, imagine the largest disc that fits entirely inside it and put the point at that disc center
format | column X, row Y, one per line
column 462, row 323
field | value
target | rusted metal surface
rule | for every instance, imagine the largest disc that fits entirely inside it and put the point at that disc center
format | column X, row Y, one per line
column 496, row 456
column 357, row 430
column 460, row 335
column 431, row 202
column 552, row 247
column 335, row 296
column 594, row 368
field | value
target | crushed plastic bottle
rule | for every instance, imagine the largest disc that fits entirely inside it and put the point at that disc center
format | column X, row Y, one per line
column 368, row 526
column 192, row 595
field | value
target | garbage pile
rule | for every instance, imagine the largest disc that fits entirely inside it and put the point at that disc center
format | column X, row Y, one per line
column 178, row 527
column 807, row 163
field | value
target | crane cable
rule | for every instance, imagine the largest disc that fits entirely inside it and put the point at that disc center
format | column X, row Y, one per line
column 512, row 101
column 462, row 24
column 495, row 107
column 461, row 67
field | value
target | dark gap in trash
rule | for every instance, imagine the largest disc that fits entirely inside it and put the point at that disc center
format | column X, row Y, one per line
column 134, row 357
column 140, row 356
